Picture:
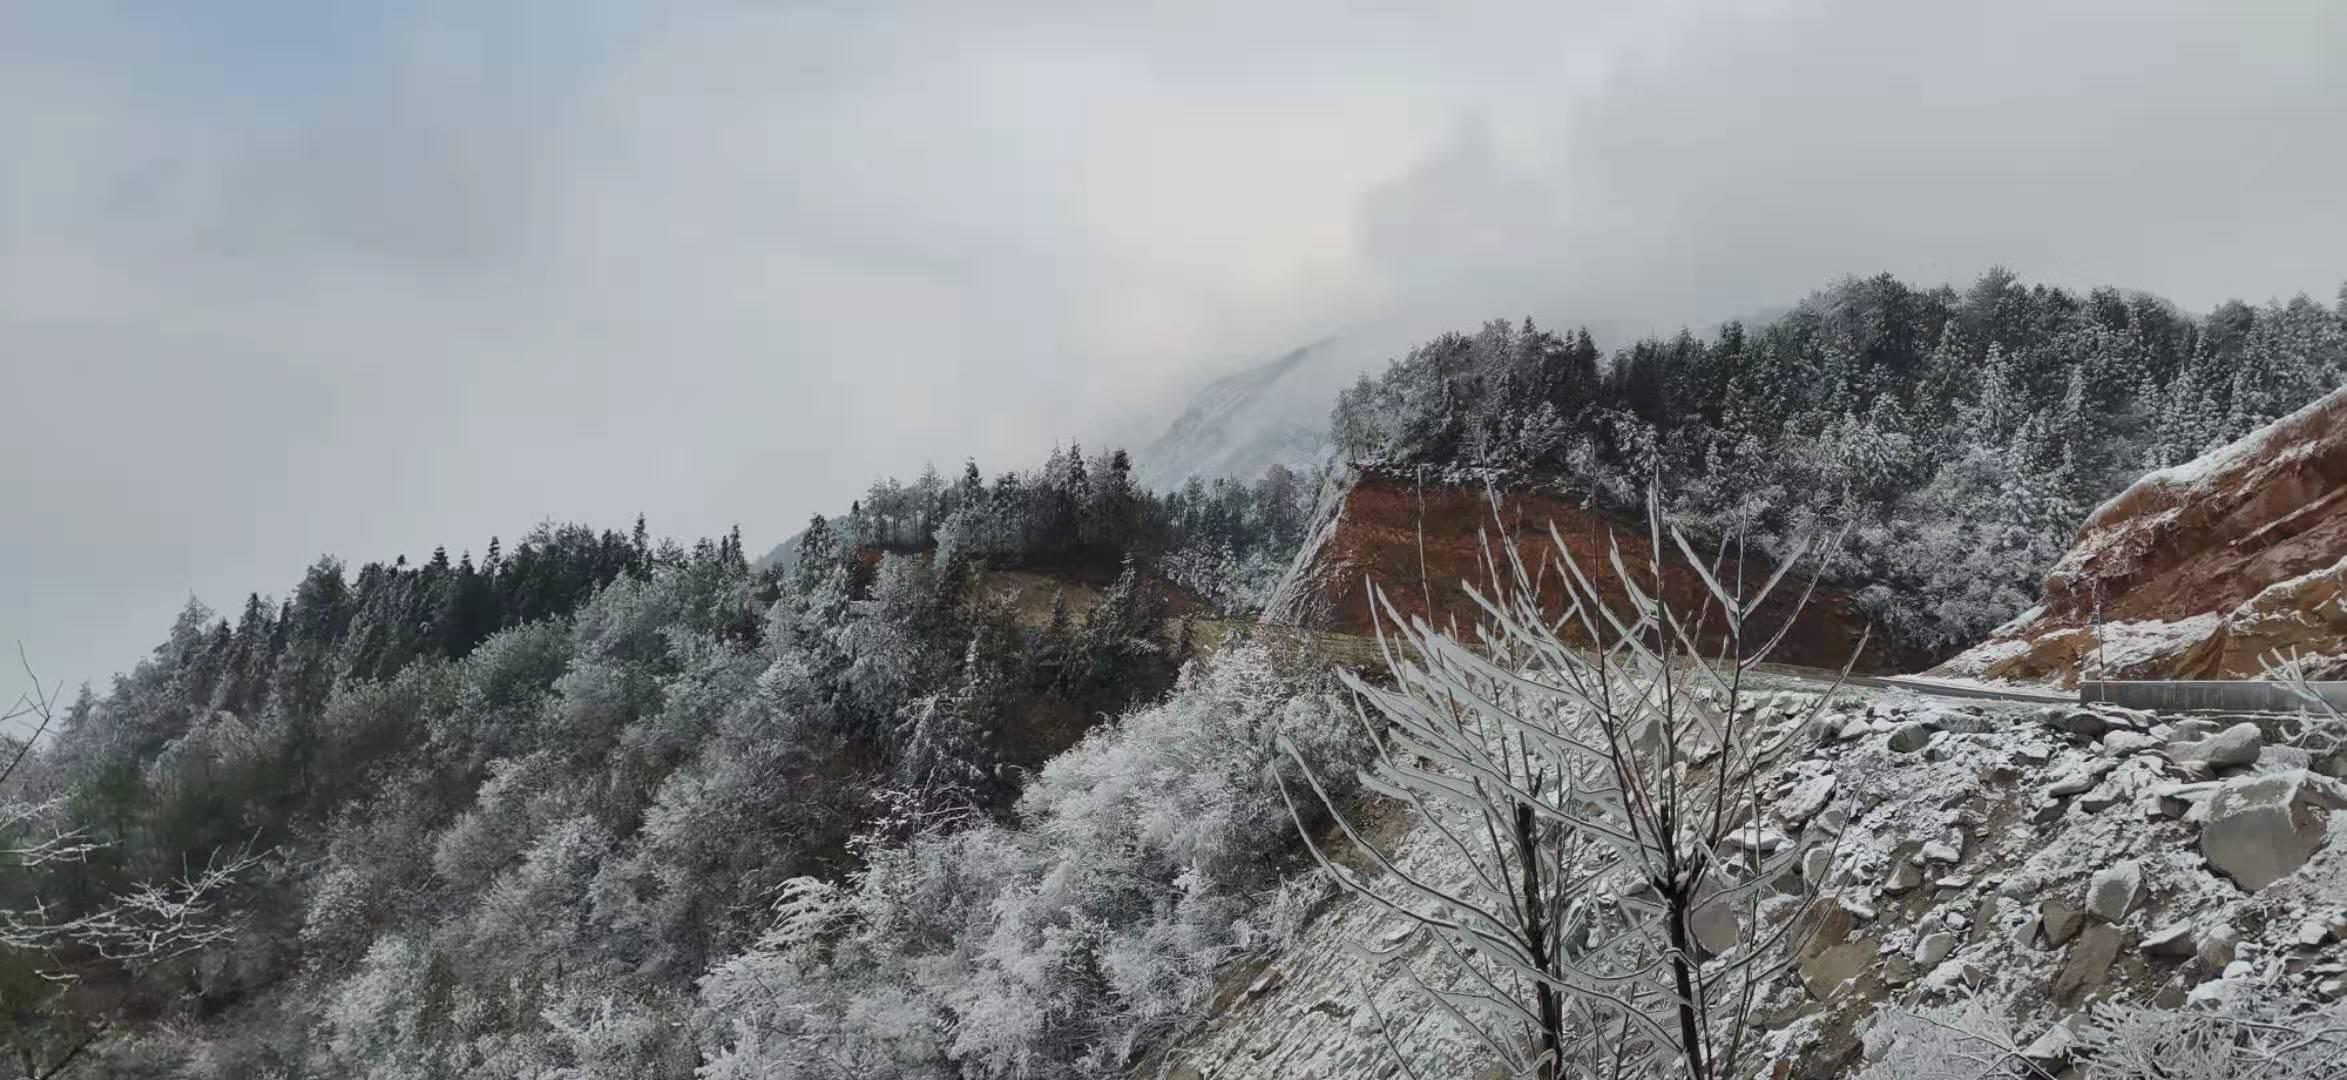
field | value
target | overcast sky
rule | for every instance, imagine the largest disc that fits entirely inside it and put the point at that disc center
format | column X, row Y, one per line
column 281, row 279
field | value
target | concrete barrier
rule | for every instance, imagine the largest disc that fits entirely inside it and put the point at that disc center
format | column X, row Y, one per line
column 2237, row 695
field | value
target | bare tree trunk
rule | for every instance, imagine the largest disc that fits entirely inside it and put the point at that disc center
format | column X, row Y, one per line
column 1552, row 1012
column 1679, row 911
column 1629, row 773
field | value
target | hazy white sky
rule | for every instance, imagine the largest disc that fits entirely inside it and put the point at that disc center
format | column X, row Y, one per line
column 279, row 279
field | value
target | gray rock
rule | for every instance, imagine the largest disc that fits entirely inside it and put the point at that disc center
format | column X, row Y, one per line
column 1932, row 949
column 1806, row 799
column 1854, row 728
column 2313, row 933
column 1816, row 863
column 2101, row 798
column 2171, row 941
column 1944, row 851
column 1904, row 877
column 1835, row 965
column 2263, row 828
column 2059, row 922
column 2177, row 800
column 2089, row 962
column 2284, row 757
column 2234, row 746
column 2081, row 779
column 1984, row 920
column 2194, row 728
column 2072, row 721
column 2051, row 1049
column 1909, row 737
column 2114, row 890
column 2122, row 743
column 2172, row 994
column 1714, row 925
column 2216, row 947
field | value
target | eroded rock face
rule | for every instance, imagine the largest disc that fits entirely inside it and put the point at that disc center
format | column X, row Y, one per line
column 2263, row 828
column 1422, row 543
column 2199, row 571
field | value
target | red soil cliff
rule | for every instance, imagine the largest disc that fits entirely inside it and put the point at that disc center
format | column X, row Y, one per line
column 2201, row 571
column 1375, row 524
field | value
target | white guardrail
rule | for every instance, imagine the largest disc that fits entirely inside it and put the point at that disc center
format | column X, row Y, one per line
column 2243, row 695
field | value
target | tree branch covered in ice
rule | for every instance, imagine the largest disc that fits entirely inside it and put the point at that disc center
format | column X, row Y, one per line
column 148, row 924
column 1622, row 913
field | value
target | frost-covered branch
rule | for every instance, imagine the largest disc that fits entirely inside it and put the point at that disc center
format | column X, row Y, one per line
column 151, row 923
column 1600, row 798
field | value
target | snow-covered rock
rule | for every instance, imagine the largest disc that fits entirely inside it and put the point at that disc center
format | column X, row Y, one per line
column 2114, row 891
column 2234, row 746
column 2170, row 941
column 1933, row 948
column 2262, row 828
column 1806, row 799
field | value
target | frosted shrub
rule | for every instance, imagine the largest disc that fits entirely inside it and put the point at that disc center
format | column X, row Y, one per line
column 1057, row 948
column 2267, row 1033
column 1962, row 1040
column 1612, row 921
column 2263, row 1032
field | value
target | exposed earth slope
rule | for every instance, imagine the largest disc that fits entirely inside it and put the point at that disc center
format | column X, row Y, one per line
column 2201, row 571
column 1423, row 542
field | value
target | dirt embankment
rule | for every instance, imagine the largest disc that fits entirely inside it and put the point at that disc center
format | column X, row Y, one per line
column 2200, row 571
column 1422, row 543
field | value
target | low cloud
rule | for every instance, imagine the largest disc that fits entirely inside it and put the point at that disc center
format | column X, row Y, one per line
column 728, row 264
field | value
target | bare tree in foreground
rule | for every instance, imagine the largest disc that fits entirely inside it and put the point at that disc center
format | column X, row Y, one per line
column 1626, row 904
column 133, row 932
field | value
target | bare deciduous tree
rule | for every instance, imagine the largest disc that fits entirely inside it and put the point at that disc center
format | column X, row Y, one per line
column 1627, row 905
column 132, row 932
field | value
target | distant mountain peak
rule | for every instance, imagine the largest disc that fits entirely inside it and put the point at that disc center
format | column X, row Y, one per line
column 1275, row 413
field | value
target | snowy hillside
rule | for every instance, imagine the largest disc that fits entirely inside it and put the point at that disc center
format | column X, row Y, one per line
column 1242, row 424
column 2002, row 868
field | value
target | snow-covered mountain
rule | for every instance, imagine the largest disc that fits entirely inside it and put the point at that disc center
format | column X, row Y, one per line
column 1277, row 413
column 1241, row 424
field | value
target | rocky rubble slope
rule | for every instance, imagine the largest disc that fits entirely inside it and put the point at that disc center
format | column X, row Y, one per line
column 1422, row 539
column 2036, row 859
column 2200, row 571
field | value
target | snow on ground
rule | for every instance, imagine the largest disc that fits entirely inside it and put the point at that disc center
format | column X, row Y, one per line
column 2019, row 622
column 1957, row 682
column 1982, row 657
column 1988, row 832
column 2121, row 647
